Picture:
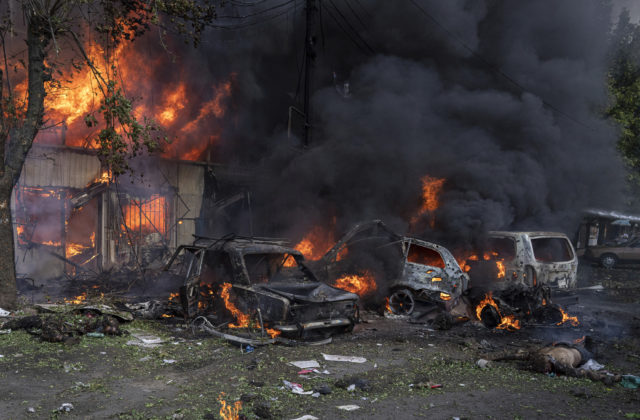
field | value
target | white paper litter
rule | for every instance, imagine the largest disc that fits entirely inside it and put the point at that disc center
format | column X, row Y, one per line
column 338, row 358
column 168, row 361
column 592, row 365
column 65, row 407
column 306, row 417
column 144, row 340
column 4, row 313
column 351, row 387
column 305, row 364
column 350, row 407
column 296, row 388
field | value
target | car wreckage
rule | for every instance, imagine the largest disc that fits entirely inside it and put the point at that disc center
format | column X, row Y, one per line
column 270, row 282
column 532, row 258
column 415, row 275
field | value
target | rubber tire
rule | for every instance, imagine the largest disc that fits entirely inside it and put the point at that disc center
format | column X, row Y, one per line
column 402, row 295
column 608, row 260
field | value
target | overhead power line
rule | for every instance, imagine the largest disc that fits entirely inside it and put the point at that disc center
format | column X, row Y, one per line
column 492, row 67
column 260, row 12
column 354, row 36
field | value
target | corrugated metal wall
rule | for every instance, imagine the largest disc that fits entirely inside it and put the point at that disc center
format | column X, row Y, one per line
column 59, row 167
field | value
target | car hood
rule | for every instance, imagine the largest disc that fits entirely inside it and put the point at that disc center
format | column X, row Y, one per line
column 308, row 291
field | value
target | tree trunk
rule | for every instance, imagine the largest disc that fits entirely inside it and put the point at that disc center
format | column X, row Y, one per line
column 20, row 142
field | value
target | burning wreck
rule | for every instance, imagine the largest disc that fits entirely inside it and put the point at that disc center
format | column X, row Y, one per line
column 412, row 274
column 260, row 281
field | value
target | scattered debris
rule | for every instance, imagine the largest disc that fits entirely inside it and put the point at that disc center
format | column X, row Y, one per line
column 350, row 407
column 630, row 381
column 306, row 417
column 4, row 312
column 296, row 388
column 145, row 340
column 483, row 363
column 592, row 365
column 305, row 364
column 338, row 358
column 65, row 408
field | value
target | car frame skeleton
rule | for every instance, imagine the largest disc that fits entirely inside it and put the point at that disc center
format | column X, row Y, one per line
column 416, row 270
column 270, row 282
column 534, row 258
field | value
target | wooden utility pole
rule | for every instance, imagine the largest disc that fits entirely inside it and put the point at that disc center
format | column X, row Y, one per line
column 310, row 57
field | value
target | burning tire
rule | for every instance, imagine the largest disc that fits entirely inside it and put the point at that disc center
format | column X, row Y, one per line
column 401, row 302
column 490, row 317
column 608, row 260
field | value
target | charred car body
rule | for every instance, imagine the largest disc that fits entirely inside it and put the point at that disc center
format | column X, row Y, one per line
column 411, row 272
column 270, row 281
column 533, row 258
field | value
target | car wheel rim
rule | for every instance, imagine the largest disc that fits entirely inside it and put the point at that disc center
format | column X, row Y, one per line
column 401, row 302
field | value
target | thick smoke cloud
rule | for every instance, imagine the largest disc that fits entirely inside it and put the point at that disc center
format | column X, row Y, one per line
column 425, row 104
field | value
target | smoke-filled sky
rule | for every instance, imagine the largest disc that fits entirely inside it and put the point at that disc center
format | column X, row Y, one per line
column 424, row 100
column 503, row 99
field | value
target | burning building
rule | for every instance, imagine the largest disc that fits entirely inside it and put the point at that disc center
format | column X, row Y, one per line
column 70, row 214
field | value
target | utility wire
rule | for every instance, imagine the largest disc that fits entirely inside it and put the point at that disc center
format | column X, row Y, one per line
column 355, row 31
column 355, row 14
column 367, row 50
column 258, row 13
column 492, row 67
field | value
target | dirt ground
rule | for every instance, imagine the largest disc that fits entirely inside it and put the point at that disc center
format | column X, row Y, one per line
column 186, row 375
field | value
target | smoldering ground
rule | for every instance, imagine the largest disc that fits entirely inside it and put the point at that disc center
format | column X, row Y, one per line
column 502, row 99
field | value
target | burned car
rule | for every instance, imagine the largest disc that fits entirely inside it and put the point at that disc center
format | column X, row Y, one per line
column 269, row 281
column 412, row 273
column 532, row 258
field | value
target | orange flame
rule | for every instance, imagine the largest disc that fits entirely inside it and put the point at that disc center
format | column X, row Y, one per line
column 229, row 412
column 78, row 300
column 387, row 307
column 567, row 318
column 147, row 216
column 71, row 250
column 508, row 322
column 362, row 284
column 431, row 189
column 186, row 112
column 242, row 319
column 463, row 261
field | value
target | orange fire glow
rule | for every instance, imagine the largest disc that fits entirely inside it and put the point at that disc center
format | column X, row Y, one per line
column 78, row 300
column 316, row 243
column 189, row 115
column 463, row 261
column 231, row 411
column 508, row 322
column 567, row 318
column 362, row 284
column 431, row 189
column 146, row 216
column 242, row 319
column 387, row 307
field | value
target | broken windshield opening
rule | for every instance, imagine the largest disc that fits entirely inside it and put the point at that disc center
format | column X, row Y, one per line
column 551, row 249
column 263, row 268
column 504, row 248
column 425, row 256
